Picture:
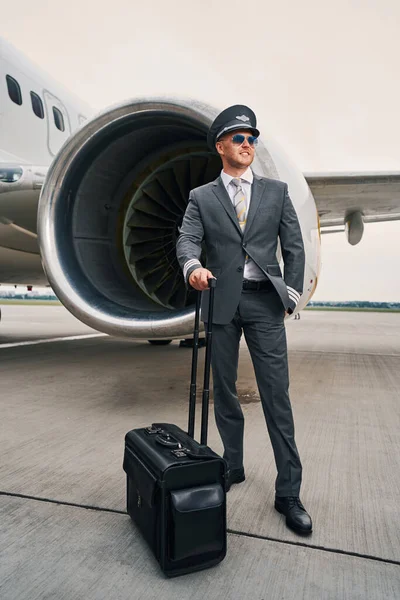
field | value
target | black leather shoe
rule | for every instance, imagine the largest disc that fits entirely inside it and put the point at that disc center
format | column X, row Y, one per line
column 297, row 518
column 234, row 476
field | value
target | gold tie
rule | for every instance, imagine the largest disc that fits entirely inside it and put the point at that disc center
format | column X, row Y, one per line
column 240, row 202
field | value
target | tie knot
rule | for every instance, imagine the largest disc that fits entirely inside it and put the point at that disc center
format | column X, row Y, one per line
column 237, row 182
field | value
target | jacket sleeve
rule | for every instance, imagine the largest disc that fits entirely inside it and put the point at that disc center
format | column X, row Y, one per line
column 191, row 234
column 292, row 251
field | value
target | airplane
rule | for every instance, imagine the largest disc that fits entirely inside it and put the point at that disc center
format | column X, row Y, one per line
column 92, row 204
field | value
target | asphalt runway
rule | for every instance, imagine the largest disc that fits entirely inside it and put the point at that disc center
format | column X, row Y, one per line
column 66, row 406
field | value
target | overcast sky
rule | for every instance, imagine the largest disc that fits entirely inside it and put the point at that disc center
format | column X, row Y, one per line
column 321, row 76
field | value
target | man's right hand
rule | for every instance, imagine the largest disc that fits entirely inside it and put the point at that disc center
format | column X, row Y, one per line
column 199, row 278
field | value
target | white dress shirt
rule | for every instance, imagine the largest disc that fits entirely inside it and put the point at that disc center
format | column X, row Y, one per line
column 251, row 271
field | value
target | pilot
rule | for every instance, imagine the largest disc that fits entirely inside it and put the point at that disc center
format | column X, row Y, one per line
column 240, row 217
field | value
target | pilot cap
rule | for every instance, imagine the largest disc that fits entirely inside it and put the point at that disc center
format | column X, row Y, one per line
column 234, row 117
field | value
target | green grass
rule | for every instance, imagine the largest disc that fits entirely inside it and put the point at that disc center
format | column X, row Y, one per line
column 39, row 302
column 353, row 309
column 35, row 302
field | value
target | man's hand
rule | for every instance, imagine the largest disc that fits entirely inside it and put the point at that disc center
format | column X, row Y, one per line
column 199, row 278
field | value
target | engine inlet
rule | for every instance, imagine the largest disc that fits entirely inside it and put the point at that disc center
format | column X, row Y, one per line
column 110, row 212
column 153, row 219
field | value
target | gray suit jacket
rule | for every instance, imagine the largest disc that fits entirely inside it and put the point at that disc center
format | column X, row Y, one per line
column 210, row 216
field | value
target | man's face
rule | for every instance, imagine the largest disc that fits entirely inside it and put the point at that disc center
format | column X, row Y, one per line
column 236, row 155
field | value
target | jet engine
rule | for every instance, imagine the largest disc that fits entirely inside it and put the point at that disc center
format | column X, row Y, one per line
column 111, row 207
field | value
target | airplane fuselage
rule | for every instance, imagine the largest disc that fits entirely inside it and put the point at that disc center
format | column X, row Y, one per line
column 37, row 115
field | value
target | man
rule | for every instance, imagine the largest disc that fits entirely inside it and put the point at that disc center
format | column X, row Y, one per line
column 240, row 217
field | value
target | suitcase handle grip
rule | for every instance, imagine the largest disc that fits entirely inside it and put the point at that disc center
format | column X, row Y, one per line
column 212, row 282
column 168, row 441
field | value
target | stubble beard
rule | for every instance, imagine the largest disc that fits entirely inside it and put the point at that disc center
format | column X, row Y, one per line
column 235, row 164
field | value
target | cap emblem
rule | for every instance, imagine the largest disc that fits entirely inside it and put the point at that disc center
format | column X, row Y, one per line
column 243, row 118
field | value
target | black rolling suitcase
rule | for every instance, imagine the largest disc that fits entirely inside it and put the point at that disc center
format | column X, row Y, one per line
column 176, row 486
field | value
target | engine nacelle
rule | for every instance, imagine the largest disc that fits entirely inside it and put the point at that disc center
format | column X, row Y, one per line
column 111, row 206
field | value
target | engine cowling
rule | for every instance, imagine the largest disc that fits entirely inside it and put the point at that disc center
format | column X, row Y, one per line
column 110, row 210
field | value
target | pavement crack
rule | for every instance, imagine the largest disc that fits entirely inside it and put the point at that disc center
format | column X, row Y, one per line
column 64, row 503
column 315, row 547
column 231, row 531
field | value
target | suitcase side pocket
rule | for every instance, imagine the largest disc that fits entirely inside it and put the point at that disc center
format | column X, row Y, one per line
column 198, row 522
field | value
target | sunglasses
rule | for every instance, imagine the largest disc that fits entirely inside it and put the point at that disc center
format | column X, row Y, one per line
column 239, row 138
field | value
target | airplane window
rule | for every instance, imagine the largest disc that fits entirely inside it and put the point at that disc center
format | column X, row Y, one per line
column 14, row 91
column 37, row 105
column 10, row 174
column 58, row 119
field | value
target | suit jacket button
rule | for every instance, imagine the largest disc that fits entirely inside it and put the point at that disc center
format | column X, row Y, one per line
column 239, row 269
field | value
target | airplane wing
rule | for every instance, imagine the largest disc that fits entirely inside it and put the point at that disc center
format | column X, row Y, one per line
column 20, row 187
column 337, row 195
column 345, row 201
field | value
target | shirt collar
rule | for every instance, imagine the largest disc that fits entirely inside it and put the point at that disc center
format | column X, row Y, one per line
column 246, row 176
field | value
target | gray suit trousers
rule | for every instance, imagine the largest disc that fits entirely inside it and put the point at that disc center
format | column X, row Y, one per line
column 260, row 315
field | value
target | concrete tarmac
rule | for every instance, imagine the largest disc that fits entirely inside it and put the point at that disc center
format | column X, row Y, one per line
column 66, row 406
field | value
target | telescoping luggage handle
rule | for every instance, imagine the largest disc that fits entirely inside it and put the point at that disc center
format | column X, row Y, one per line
column 212, row 282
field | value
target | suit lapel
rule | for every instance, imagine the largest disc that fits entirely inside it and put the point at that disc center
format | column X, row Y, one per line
column 220, row 191
column 258, row 189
